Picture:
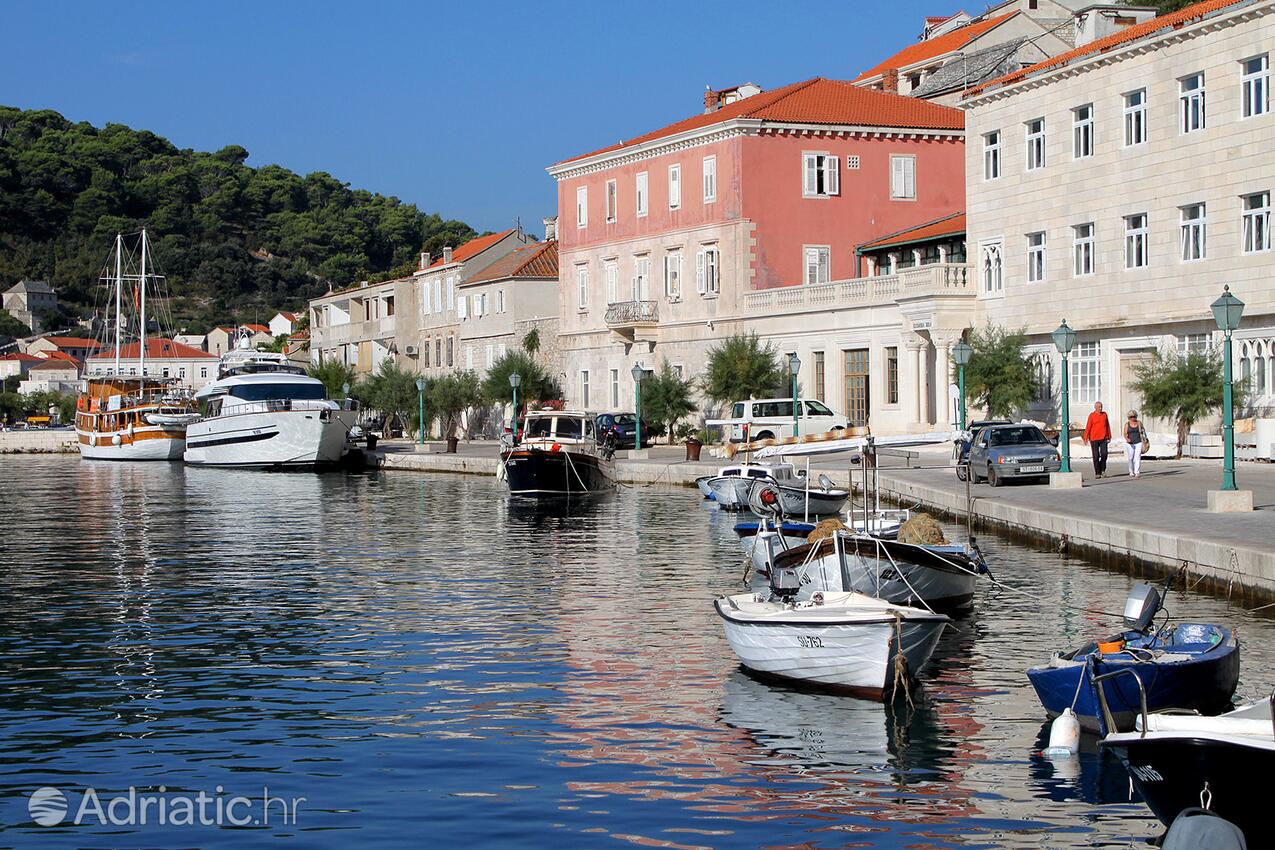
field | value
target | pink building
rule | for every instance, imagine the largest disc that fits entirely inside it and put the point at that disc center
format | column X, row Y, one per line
column 662, row 237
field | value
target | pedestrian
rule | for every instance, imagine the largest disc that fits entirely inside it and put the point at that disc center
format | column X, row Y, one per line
column 1135, row 437
column 1097, row 435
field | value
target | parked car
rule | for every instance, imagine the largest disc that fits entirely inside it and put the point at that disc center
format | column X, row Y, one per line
column 1002, row 452
column 961, row 450
column 624, row 427
column 768, row 418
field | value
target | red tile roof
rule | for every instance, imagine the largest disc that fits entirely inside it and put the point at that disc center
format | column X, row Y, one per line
column 22, row 358
column 817, row 101
column 59, row 355
column 72, row 342
column 157, row 349
column 947, row 226
column 473, row 247
column 537, row 260
column 1173, row 20
column 58, row 363
column 933, row 48
column 291, row 317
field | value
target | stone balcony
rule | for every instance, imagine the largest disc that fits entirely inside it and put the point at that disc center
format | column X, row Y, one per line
column 634, row 321
column 936, row 279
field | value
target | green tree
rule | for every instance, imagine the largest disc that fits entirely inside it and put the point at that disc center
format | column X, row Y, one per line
column 276, row 345
column 334, row 374
column 391, row 390
column 741, row 367
column 666, row 398
column 537, row 385
column 531, row 342
column 998, row 378
column 1182, row 388
column 450, row 396
column 11, row 327
column 10, row 407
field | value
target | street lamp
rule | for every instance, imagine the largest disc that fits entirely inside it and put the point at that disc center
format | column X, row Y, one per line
column 961, row 354
column 515, row 381
column 420, row 398
column 1227, row 311
column 345, row 390
column 1065, row 340
column 794, row 366
column 637, row 372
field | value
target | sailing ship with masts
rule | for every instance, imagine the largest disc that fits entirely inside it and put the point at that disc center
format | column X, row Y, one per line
column 132, row 416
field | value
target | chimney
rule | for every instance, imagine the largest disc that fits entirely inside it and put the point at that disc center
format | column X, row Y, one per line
column 890, row 80
column 424, row 259
column 551, row 228
column 447, row 255
column 711, row 100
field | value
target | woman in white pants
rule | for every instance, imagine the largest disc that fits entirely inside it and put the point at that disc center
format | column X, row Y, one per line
column 1135, row 439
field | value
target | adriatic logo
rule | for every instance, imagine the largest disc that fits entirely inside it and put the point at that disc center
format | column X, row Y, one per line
column 47, row 806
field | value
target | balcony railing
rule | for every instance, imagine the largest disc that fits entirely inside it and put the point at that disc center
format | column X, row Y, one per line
column 629, row 313
column 935, row 279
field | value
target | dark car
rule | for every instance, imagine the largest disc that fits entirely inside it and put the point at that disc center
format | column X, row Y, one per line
column 961, row 451
column 1001, row 452
column 624, row 427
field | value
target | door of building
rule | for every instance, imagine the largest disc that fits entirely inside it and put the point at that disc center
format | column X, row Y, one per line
column 1131, row 399
column 856, row 371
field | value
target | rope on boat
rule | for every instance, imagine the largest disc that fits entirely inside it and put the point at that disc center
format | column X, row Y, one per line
column 900, row 574
column 900, row 663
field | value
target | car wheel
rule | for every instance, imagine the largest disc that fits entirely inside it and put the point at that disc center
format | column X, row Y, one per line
column 993, row 477
column 765, row 435
column 962, row 473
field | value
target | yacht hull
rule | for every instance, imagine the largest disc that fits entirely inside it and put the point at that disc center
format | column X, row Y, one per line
column 535, row 472
column 140, row 443
column 268, row 440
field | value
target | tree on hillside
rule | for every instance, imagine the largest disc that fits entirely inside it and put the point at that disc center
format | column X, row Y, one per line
column 741, row 367
column 1182, row 388
column 12, row 328
column 998, row 378
column 666, row 398
column 334, row 374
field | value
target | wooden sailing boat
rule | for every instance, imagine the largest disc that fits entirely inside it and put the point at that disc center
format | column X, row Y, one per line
column 134, row 416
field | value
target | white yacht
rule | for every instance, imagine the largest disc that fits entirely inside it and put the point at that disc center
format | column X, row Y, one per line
column 265, row 412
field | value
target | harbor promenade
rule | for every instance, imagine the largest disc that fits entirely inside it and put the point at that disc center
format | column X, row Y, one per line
column 1158, row 521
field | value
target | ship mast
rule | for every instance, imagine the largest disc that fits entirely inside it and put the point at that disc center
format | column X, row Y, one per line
column 119, row 284
column 141, row 346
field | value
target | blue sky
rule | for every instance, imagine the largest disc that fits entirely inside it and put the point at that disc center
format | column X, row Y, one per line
column 456, row 107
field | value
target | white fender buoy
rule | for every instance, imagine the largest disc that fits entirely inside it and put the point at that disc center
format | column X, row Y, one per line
column 115, row 440
column 1064, row 735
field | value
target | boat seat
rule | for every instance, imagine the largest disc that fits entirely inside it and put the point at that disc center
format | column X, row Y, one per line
column 1222, row 725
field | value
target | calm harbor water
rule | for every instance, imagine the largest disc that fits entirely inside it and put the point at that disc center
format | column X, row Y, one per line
column 427, row 663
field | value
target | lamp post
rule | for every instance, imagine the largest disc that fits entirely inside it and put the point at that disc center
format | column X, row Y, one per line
column 1065, row 340
column 637, row 372
column 1227, row 312
column 794, row 366
column 515, row 381
column 961, row 354
column 420, row 398
column 345, row 390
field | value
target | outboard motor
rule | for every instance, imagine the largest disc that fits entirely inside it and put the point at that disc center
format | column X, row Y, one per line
column 785, row 582
column 1140, row 608
column 1200, row 829
column 763, row 500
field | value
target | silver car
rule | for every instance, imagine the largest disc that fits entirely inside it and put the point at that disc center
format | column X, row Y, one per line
column 1001, row 452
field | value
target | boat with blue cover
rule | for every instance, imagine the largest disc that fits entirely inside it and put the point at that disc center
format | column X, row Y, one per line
column 1192, row 667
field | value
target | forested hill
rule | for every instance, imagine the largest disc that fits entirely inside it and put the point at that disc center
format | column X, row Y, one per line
column 235, row 242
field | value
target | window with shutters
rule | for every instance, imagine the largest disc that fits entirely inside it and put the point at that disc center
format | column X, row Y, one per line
column 611, row 269
column 818, row 261
column 642, row 277
column 820, row 175
column 1255, row 89
column 425, row 354
column 582, row 206
column 469, row 357
column 641, row 194
column 903, row 178
column 615, row 388
column 451, row 350
column 582, row 287
column 708, row 271
column 462, row 307
column 673, row 275
column 438, row 351
column 489, row 355
column 674, row 187
column 710, row 179
column 584, row 388
column 438, row 295
column 1035, row 144
column 992, row 155
column 500, row 300
column 426, row 301
column 819, row 375
column 451, row 292
column 613, row 202
column 1191, row 103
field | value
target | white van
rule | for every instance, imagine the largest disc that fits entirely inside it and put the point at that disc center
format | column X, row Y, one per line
column 767, row 418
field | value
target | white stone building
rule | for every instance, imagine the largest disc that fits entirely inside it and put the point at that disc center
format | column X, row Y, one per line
column 493, row 304
column 165, row 358
column 29, row 300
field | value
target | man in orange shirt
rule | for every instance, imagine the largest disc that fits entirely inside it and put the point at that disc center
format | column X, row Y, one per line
column 1097, row 436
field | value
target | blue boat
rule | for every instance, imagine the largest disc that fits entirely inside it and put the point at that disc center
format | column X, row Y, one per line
column 1187, row 667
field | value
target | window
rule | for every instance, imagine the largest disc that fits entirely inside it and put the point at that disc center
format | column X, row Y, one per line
column 489, row 355
column 1083, row 248
column 1135, row 241
column 820, row 177
column 991, row 268
column 584, row 388
column 582, row 206
column 451, row 291
column 1191, row 103
column 892, row 375
column 181, row 373
column 462, row 308
column 1035, row 257
column 674, row 187
column 582, row 286
column 992, row 155
column 438, row 351
column 818, row 262
column 1035, row 144
column 1082, row 131
column 425, row 354
column 1189, row 344
column 1257, row 222
column 903, row 178
column 438, row 295
column 673, row 275
column 1256, row 86
column 1192, row 232
column 707, row 271
column 819, row 376
column 1086, row 376
column 203, row 371
column 1135, row 117
column 1043, row 370
column 613, row 202
column 500, row 300
column 710, row 179
column 612, row 270
column 615, row 388
column 641, row 194
column 451, row 349
column 642, row 278
column 677, row 370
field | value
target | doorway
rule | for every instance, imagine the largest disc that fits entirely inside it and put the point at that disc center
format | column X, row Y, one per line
column 858, row 407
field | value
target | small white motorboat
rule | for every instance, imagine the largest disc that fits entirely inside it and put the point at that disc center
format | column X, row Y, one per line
column 730, row 488
column 803, row 500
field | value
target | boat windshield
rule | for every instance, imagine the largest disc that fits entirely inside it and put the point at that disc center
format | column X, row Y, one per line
column 1025, row 435
column 264, row 392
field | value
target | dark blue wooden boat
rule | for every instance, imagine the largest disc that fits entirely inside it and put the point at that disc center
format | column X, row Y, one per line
column 1188, row 667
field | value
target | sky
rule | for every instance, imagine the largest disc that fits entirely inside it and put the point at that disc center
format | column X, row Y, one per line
column 455, row 107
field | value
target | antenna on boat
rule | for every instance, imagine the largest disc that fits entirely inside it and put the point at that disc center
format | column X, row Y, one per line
column 141, row 344
column 119, row 284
